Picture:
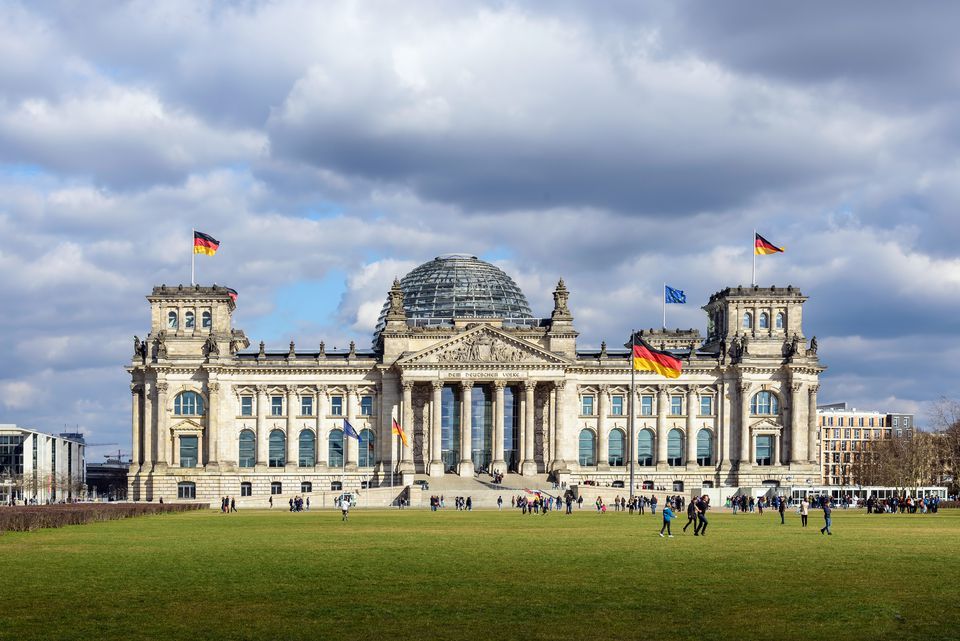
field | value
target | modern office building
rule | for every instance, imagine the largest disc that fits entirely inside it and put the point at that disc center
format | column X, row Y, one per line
column 40, row 468
column 479, row 384
column 848, row 434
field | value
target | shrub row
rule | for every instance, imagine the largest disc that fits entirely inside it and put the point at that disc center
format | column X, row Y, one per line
column 30, row 518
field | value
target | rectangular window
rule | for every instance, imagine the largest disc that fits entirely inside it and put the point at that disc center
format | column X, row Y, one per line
column 586, row 406
column 899, row 433
column 706, row 406
column 888, row 433
column 676, row 405
column 616, row 405
column 646, row 405
column 186, row 490
column 896, row 421
column 876, row 433
column 860, row 422
column 830, row 421
column 366, row 406
column 306, row 406
column 856, row 433
column 906, row 422
column 336, row 406
column 246, row 489
column 871, row 422
column 246, row 406
column 276, row 487
column 188, row 451
column 836, row 433
column 846, row 433
column 276, row 406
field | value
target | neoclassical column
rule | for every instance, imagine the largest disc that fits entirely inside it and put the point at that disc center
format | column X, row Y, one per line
column 135, row 393
column 163, row 434
column 691, row 425
column 499, row 465
column 797, row 433
column 292, row 453
column 200, row 450
column 263, row 443
column 603, row 439
column 549, row 416
column 320, row 423
column 724, row 424
column 350, row 444
column 436, row 430
column 662, row 402
column 529, row 463
column 746, row 439
column 213, row 425
column 812, row 427
column 406, row 459
column 559, row 461
column 176, row 450
column 147, row 448
column 466, row 429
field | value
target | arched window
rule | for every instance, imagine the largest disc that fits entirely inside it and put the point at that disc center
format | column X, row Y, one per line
column 675, row 447
column 780, row 320
column 248, row 449
column 645, row 447
column 276, row 487
column 188, row 404
column 588, row 448
column 278, row 448
column 246, row 488
column 206, row 320
column 366, row 457
column 615, row 449
column 188, row 451
column 765, row 404
column 186, row 490
column 705, row 447
column 765, row 449
column 189, row 321
column 308, row 449
column 172, row 320
column 747, row 320
column 335, row 453
column 764, row 321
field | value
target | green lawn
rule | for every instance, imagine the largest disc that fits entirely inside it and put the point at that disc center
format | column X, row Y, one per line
column 482, row 575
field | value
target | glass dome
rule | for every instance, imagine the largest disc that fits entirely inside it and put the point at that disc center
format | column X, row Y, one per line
column 458, row 286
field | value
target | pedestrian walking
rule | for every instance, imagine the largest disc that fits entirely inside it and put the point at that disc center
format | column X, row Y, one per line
column 667, row 517
column 344, row 508
column 500, row 503
column 691, row 515
column 804, row 511
column 703, row 504
column 781, row 507
column 827, row 512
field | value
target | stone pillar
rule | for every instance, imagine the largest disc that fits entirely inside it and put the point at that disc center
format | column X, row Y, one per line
column 351, row 445
column 550, row 416
column 320, row 426
column 293, row 453
column 200, row 450
column 691, row 426
column 136, row 450
column 797, row 431
column 529, row 464
column 163, row 433
column 746, row 439
column 778, row 447
column 499, row 465
column 406, row 459
column 149, row 417
column 603, row 439
column 662, row 402
column 213, row 426
column 436, row 430
column 724, row 423
column 263, row 442
column 812, row 427
column 176, row 450
column 466, row 429
column 559, row 462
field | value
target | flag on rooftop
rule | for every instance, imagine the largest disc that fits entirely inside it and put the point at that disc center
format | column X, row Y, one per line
column 762, row 246
column 204, row 243
column 646, row 358
column 671, row 295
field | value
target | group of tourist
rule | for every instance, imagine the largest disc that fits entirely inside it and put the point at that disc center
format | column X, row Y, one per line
column 696, row 514
column 903, row 504
column 461, row 503
column 228, row 504
column 298, row 504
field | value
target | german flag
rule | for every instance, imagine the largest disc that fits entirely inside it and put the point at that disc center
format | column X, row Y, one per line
column 399, row 432
column 645, row 358
column 762, row 246
column 205, row 244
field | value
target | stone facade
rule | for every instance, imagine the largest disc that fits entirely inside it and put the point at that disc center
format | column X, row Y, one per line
column 208, row 415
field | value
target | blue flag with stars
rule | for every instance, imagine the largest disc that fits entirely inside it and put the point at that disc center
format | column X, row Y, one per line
column 671, row 295
column 349, row 431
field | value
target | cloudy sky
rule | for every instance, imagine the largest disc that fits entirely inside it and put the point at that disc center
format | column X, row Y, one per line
column 333, row 146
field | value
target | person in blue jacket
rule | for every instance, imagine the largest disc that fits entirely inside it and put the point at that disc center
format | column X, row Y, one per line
column 667, row 517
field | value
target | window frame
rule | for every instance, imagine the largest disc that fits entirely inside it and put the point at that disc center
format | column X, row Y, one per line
column 616, row 405
column 676, row 405
column 186, row 490
column 336, row 405
column 246, row 405
column 276, row 409
column 708, row 399
column 306, row 406
column 588, row 400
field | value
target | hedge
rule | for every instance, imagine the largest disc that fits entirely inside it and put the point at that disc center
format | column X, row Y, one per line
column 30, row 518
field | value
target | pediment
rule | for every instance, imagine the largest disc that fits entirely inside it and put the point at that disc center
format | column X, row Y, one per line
column 766, row 424
column 484, row 345
column 186, row 425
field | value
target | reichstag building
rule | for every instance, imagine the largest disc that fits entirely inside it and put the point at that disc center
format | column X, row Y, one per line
column 480, row 385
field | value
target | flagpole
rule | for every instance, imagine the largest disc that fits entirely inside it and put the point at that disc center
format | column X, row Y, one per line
column 753, row 280
column 664, row 301
column 193, row 257
column 631, row 406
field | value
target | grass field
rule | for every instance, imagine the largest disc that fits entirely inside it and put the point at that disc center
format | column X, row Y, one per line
column 482, row 575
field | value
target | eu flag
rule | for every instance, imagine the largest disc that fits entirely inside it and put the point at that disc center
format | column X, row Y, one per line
column 671, row 295
column 349, row 431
